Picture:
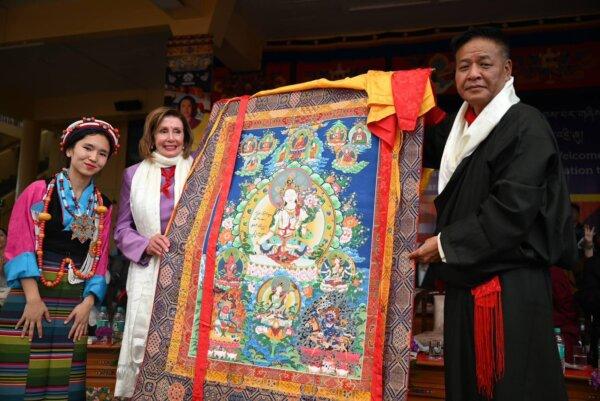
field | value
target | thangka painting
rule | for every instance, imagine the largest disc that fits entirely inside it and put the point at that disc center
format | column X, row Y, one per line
column 293, row 226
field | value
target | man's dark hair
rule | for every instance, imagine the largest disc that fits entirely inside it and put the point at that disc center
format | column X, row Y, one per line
column 485, row 32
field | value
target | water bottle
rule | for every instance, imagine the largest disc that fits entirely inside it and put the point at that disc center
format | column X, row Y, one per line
column 561, row 347
column 101, row 323
column 118, row 324
column 102, row 320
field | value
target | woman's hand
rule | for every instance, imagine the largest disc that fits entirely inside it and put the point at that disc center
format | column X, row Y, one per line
column 34, row 310
column 158, row 245
column 80, row 316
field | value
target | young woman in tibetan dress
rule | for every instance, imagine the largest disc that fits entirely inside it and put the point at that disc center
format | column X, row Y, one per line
column 57, row 254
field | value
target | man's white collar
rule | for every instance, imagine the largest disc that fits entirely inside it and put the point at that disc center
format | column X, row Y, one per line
column 464, row 138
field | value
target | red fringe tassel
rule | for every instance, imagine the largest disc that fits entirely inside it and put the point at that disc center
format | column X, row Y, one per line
column 489, row 335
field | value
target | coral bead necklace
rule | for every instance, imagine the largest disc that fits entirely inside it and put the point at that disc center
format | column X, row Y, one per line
column 96, row 247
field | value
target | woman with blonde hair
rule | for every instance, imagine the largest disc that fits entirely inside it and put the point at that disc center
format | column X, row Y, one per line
column 149, row 193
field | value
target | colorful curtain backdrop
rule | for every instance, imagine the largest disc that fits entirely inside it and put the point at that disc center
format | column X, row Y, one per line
column 336, row 69
column 291, row 278
column 189, row 78
column 228, row 84
column 554, row 66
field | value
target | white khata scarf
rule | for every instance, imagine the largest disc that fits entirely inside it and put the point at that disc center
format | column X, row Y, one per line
column 141, row 281
column 464, row 138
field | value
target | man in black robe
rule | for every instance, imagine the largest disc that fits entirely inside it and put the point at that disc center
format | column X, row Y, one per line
column 503, row 219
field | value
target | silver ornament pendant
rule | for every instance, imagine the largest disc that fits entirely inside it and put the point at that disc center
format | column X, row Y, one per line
column 83, row 228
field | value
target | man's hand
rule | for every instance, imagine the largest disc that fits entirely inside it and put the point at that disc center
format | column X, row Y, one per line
column 80, row 316
column 158, row 245
column 427, row 253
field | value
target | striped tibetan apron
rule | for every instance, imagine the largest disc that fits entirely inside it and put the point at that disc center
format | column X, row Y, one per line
column 47, row 368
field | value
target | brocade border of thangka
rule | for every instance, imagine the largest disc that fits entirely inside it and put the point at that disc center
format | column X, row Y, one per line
column 156, row 383
column 396, row 356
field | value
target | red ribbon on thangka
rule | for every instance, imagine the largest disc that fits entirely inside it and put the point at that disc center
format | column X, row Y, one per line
column 488, row 335
column 211, row 254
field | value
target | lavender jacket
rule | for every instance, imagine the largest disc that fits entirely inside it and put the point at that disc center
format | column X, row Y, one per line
column 131, row 243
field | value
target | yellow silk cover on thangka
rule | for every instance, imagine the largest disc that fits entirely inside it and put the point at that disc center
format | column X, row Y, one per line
column 295, row 222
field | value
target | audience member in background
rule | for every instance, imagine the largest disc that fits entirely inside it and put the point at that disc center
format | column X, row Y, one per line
column 589, row 291
column 149, row 194
column 589, row 244
column 575, row 215
column 565, row 313
column 576, row 275
column 189, row 109
column 4, row 288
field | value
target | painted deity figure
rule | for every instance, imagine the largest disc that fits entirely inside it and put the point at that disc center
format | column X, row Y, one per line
column 281, row 242
column 328, row 331
column 359, row 136
column 337, row 272
column 225, row 319
column 229, row 272
column 300, row 143
column 230, row 269
column 329, row 327
column 278, row 307
column 252, row 164
column 248, row 147
column 335, row 276
column 266, row 145
column 348, row 156
column 337, row 136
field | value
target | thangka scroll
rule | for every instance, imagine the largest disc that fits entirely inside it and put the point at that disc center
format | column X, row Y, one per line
column 288, row 276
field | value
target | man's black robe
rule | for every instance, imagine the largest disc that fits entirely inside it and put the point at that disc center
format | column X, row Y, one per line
column 505, row 212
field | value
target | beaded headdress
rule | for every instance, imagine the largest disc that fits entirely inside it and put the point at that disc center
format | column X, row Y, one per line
column 91, row 124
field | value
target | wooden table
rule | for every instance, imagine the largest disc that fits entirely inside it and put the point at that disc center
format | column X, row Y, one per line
column 426, row 379
column 101, row 370
column 426, row 382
